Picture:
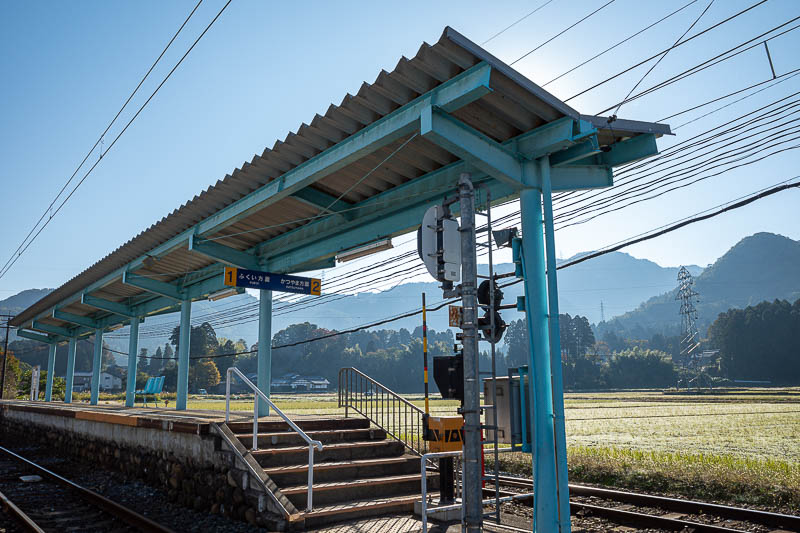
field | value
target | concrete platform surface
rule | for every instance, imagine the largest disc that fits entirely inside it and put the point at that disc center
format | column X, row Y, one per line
column 189, row 421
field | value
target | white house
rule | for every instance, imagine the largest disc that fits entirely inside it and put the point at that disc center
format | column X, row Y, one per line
column 82, row 381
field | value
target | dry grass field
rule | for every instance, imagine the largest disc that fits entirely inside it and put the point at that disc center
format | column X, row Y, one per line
column 737, row 446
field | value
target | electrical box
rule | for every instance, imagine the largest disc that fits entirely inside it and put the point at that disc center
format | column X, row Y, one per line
column 446, row 433
column 514, row 424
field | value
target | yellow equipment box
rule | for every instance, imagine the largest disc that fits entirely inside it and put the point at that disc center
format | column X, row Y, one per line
column 446, row 433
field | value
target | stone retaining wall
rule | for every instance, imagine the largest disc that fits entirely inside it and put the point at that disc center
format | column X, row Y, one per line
column 207, row 482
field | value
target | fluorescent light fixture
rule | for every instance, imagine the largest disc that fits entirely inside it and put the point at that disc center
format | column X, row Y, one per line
column 114, row 328
column 224, row 293
column 367, row 249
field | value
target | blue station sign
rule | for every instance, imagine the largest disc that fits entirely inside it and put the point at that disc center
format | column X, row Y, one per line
column 254, row 279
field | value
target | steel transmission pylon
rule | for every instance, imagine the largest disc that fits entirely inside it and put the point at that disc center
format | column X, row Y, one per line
column 690, row 340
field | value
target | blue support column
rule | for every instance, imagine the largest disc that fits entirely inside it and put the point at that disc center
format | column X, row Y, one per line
column 264, row 348
column 73, row 346
column 555, row 351
column 183, row 355
column 545, row 514
column 51, row 368
column 96, row 365
column 133, row 350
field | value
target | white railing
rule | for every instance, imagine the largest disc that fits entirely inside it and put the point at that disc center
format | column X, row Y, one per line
column 425, row 511
column 259, row 394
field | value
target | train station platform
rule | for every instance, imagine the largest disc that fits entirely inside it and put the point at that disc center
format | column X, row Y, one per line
column 204, row 462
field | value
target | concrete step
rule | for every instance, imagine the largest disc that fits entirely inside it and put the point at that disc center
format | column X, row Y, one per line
column 357, row 489
column 327, row 514
column 343, row 451
column 342, row 470
column 310, row 424
column 280, row 438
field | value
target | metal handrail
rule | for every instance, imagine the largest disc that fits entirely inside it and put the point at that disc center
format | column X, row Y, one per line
column 259, row 394
column 401, row 419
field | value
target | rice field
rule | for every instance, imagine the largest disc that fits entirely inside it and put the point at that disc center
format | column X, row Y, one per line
column 750, row 424
column 740, row 445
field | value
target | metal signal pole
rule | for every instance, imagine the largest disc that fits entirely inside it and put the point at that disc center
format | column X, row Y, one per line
column 5, row 355
column 473, row 495
column 425, row 352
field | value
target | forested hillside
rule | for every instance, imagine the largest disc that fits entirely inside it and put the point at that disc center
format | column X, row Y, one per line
column 761, row 267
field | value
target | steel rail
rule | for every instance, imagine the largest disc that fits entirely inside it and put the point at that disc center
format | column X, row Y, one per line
column 128, row 515
column 765, row 518
column 10, row 507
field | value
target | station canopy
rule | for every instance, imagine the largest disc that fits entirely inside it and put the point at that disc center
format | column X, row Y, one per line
column 365, row 170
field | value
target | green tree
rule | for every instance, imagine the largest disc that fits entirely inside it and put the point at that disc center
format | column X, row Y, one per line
column 13, row 375
column 143, row 365
column 203, row 375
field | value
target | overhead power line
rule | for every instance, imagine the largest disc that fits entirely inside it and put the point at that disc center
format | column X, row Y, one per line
column 720, row 58
column 100, row 138
column 515, row 23
column 625, row 40
column 19, row 253
column 562, row 32
column 654, row 56
column 710, row 3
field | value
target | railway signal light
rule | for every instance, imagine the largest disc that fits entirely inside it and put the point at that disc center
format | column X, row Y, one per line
column 491, row 302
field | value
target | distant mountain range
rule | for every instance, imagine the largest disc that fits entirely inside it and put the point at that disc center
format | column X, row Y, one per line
column 761, row 267
column 21, row 301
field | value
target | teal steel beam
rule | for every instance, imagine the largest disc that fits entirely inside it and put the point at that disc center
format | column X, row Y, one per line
column 321, row 200
column 96, row 366
column 75, row 319
column 151, row 285
column 183, row 355
column 576, row 177
column 49, row 339
column 329, row 262
column 630, row 150
column 389, row 223
column 70, row 375
column 51, row 368
column 133, row 351
column 471, row 146
column 433, row 185
column 545, row 515
column 56, row 330
column 562, row 483
column 548, row 138
column 222, row 253
column 264, row 363
column 107, row 305
column 453, row 94
column 578, row 152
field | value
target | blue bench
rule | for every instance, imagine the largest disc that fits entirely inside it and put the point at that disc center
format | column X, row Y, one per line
column 152, row 387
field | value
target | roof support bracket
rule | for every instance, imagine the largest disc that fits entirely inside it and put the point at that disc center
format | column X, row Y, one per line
column 150, row 285
column 223, row 253
column 49, row 339
column 323, row 201
column 55, row 330
column 75, row 319
column 471, row 146
column 630, row 150
column 107, row 305
column 578, row 153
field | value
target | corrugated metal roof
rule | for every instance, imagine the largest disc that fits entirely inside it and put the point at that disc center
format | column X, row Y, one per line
column 514, row 106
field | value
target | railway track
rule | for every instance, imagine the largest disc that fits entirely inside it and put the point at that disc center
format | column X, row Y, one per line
column 657, row 512
column 42, row 501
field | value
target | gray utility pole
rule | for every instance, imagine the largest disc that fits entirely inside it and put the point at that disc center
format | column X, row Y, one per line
column 473, row 495
column 5, row 356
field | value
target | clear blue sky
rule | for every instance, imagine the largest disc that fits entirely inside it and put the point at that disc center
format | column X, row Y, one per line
column 266, row 67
